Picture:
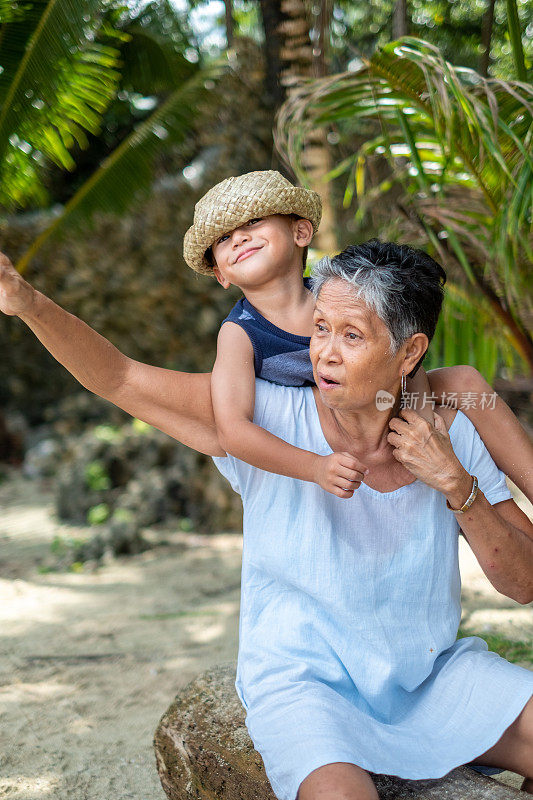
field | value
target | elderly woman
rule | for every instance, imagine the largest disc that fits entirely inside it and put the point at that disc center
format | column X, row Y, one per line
column 348, row 659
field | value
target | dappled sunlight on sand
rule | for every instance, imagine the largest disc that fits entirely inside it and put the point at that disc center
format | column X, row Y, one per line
column 35, row 693
column 22, row 787
column 22, row 602
column 89, row 662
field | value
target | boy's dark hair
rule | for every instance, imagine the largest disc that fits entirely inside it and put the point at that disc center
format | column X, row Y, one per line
column 405, row 286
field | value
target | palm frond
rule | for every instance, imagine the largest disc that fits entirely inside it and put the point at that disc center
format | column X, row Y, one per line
column 63, row 69
column 150, row 64
column 18, row 21
column 515, row 36
column 459, row 149
column 465, row 335
column 157, row 56
column 127, row 172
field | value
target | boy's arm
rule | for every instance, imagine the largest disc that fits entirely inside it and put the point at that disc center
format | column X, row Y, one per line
column 418, row 390
column 177, row 403
column 233, row 392
column 509, row 445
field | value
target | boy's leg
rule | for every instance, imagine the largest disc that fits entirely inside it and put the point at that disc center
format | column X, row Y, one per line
column 514, row 750
column 338, row 781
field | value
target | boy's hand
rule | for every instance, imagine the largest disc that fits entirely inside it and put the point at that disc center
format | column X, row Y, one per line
column 16, row 295
column 339, row 473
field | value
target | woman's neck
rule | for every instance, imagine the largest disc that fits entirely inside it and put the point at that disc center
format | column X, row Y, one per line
column 364, row 430
column 363, row 433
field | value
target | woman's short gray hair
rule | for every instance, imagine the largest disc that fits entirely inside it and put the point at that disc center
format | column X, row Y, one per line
column 402, row 285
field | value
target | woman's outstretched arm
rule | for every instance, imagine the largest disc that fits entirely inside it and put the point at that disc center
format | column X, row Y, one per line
column 178, row 403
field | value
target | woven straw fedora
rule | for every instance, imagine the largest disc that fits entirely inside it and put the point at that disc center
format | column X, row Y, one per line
column 234, row 201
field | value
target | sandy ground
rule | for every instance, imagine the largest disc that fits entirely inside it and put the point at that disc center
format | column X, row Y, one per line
column 89, row 662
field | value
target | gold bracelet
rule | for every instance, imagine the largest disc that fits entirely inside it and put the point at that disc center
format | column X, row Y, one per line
column 470, row 499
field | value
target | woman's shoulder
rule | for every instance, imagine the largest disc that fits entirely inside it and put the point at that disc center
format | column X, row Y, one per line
column 461, row 431
column 282, row 409
column 270, row 395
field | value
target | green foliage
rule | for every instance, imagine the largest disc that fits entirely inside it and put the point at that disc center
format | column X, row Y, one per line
column 96, row 477
column 61, row 546
column 141, row 427
column 357, row 29
column 123, row 515
column 158, row 54
column 98, row 514
column 55, row 85
column 513, row 651
column 108, row 433
column 70, row 552
column 58, row 546
column 463, row 336
column 200, row 612
column 127, row 172
column 69, row 72
column 515, row 36
column 458, row 151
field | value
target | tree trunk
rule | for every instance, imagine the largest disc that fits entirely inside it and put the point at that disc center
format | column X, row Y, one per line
column 11, row 450
column 400, row 26
column 273, row 18
column 487, row 25
column 301, row 59
column 229, row 22
column 203, row 751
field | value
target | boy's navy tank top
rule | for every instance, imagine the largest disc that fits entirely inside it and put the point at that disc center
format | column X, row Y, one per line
column 279, row 356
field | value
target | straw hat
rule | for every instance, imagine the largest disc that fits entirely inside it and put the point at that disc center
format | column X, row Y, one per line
column 234, row 201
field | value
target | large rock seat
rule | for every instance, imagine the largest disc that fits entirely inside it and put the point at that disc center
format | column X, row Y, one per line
column 203, row 752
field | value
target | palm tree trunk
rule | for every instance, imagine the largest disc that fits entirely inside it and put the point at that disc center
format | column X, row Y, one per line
column 321, row 49
column 229, row 22
column 487, row 25
column 303, row 60
column 273, row 17
column 400, row 24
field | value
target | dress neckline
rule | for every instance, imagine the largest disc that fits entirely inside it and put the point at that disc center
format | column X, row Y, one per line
column 326, row 446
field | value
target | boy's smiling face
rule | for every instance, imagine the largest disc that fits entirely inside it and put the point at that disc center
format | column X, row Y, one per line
column 260, row 250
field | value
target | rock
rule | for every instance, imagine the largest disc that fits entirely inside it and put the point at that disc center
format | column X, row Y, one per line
column 203, row 750
column 142, row 472
column 124, row 537
column 202, row 746
column 40, row 460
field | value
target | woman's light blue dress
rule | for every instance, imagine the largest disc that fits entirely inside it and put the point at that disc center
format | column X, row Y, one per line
column 349, row 617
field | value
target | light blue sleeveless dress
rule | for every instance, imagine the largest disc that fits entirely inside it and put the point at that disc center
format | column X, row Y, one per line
column 349, row 617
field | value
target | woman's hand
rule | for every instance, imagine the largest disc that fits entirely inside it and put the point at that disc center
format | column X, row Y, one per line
column 427, row 452
column 16, row 294
column 340, row 473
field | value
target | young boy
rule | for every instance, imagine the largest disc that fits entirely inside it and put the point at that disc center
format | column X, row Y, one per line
column 252, row 231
